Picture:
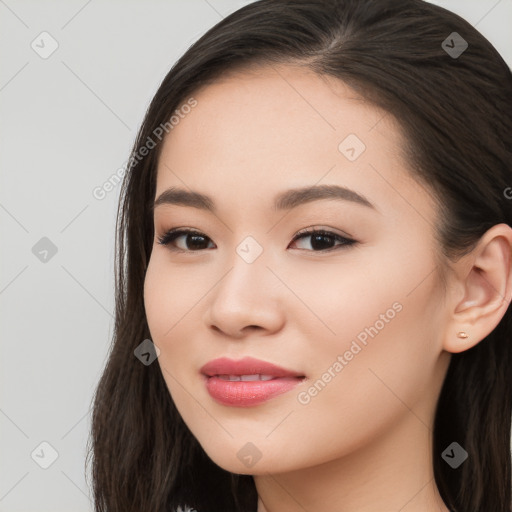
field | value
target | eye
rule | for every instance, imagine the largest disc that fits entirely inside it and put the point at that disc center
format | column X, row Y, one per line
column 194, row 241
column 321, row 238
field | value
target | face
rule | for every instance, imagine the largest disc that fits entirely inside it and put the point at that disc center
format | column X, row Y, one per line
column 338, row 288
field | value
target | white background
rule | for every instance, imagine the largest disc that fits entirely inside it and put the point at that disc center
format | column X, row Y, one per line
column 68, row 123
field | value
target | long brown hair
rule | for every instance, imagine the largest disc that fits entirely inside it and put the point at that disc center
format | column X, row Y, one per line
column 454, row 104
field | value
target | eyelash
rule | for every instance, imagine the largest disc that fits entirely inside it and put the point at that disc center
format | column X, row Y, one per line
column 172, row 234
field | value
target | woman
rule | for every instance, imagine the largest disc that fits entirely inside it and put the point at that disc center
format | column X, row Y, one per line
column 314, row 271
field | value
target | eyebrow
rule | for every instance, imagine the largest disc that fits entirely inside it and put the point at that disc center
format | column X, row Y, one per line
column 284, row 201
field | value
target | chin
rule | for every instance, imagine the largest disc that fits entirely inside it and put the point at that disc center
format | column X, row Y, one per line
column 248, row 459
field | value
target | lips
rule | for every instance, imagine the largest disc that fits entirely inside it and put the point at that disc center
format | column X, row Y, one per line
column 246, row 366
column 248, row 381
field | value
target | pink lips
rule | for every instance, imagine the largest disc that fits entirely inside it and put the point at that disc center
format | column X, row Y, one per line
column 259, row 381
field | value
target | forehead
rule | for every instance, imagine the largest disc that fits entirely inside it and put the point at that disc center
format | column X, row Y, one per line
column 262, row 107
column 256, row 132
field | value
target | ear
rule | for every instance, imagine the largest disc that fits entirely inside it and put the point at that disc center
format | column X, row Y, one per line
column 482, row 290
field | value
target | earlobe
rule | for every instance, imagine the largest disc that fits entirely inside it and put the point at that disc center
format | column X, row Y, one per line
column 485, row 277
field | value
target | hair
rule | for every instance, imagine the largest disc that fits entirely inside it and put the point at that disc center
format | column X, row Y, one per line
column 455, row 114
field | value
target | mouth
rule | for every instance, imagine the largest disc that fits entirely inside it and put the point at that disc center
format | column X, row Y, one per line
column 247, row 382
column 246, row 378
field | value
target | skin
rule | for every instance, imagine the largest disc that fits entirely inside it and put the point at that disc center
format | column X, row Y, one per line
column 363, row 443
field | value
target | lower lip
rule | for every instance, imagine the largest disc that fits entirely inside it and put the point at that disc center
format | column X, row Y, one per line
column 248, row 393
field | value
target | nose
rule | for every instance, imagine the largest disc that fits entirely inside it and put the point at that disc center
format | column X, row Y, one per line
column 247, row 298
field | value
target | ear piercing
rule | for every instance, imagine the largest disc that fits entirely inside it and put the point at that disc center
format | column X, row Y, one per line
column 462, row 334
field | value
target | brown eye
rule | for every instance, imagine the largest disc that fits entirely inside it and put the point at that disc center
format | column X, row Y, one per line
column 322, row 240
column 194, row 240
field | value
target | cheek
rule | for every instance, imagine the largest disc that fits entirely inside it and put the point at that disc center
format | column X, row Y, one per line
column 356, row 297
column 164, row 306
column 167, row 297
column 172, row 301
column 384, row 378
column 155, row 300
column 386, row 342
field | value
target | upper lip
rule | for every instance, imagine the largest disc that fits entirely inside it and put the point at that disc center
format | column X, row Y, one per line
column 245, row 366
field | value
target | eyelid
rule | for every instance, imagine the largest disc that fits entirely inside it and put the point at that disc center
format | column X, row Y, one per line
column 319, row 227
